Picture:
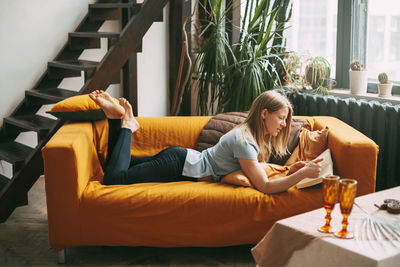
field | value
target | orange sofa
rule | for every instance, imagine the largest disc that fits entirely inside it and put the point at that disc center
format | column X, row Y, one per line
column 82, row 211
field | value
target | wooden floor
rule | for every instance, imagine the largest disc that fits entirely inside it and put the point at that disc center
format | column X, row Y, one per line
column 24, row 242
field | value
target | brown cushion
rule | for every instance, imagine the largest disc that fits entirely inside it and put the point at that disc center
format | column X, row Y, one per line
column 312, row 144
column 222, row 123
column 296, row 126
column 219, row 125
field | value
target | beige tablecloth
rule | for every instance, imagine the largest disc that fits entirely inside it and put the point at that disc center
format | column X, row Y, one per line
column 295, row 241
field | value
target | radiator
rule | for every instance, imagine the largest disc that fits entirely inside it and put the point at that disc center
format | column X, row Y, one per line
column 380, row 122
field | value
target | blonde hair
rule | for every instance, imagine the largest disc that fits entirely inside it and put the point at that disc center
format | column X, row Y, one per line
column 254, row 124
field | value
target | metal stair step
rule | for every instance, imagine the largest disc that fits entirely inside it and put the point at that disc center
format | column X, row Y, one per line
column 74, row 64
column 29, row 122
column 95, row 34
column 90, row 40
column 70, row 68
column 114, row 5
column 109, row 1
column 48, row 96
column 14, row 152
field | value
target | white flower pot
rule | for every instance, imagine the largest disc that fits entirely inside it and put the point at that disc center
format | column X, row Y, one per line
column 385, row 89
column 358, row 82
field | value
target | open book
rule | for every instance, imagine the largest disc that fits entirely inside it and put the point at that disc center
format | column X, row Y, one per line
column 327, row 168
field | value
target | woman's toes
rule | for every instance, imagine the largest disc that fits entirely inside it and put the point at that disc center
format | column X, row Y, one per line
column 122, row 101
column 112, row 109
column 125, row 104
column 128, row 120
column 129, row 106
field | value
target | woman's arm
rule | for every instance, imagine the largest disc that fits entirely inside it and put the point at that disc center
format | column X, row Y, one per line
column 255, row 172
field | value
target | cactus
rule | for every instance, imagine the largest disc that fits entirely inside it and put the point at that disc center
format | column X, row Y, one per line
column 356, row 65
column 383, row 78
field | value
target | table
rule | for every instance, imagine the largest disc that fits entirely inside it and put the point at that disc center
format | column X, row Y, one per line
column 295, row 241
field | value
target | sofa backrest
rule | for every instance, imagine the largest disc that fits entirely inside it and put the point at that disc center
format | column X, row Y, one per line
column 158, row 133
column 155, row 134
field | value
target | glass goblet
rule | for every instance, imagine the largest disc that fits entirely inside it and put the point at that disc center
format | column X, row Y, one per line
column 347, row 194
column 330, row 189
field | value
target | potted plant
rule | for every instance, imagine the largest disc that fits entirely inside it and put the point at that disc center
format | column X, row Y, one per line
column 313, row 78
column 288, row 72
column 358, row 78
column 384, row 86
column 229, row 78
column 317, row 75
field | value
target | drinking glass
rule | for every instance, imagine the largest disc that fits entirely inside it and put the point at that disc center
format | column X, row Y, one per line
column 347, row 194
column 330, row 189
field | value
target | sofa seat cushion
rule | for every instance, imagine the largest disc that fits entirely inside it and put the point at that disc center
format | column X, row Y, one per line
column 162, row 214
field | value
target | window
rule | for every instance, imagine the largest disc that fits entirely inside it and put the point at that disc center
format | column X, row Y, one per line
column 343, row 30
column 376, row 40
column 313, row 29
column 383, row 30
column 395, row 41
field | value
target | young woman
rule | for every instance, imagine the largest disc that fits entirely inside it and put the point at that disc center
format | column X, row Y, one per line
column 246, row 147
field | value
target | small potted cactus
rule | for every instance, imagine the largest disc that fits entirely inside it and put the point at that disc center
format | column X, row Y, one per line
column 384, row 85
column 358, row 78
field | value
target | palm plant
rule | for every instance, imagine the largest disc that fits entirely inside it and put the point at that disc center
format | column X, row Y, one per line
column 254, row 70
column 232, row 78
column 212, row 60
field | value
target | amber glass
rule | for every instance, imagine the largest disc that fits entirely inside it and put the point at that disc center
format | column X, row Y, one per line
column 330, row 189
column 347, row 194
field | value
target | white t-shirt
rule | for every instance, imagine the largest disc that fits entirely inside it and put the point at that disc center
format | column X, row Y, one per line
column 221, row 159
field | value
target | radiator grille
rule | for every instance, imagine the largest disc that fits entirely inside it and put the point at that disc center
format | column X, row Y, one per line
column 380, row 122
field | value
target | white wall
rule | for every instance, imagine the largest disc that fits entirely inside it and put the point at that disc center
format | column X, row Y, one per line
column 33, row 32
column 153, row 87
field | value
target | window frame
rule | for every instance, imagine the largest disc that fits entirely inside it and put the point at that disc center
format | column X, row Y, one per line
column 352, row 42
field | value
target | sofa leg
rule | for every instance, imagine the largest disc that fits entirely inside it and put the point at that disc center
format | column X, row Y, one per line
column 62, row 256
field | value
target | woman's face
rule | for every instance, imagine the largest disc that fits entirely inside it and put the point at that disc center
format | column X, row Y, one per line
column 275, row 121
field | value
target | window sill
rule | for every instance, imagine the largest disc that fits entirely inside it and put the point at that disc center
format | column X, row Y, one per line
column 345, row 93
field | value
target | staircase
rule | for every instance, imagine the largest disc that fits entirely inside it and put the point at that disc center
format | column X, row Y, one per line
column 27, row 163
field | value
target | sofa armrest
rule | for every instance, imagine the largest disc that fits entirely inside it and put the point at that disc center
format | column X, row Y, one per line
column 354, row 154
column 70, row 162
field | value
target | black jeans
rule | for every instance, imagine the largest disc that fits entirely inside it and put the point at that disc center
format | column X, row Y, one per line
column 166, row 166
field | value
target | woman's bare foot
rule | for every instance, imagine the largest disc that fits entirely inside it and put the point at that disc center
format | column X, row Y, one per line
column 128, row 120
column 112, row 109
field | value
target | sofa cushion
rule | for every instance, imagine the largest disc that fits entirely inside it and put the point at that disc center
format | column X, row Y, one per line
column 154, row 134
column 218, row 125
column 182, row 214
column 311, row 145
column 222, row 123
column 239, row 178
column 296, row 127
column 78, row 108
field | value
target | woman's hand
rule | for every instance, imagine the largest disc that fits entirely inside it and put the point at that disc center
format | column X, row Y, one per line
column 297, row 166
column 312, row 169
